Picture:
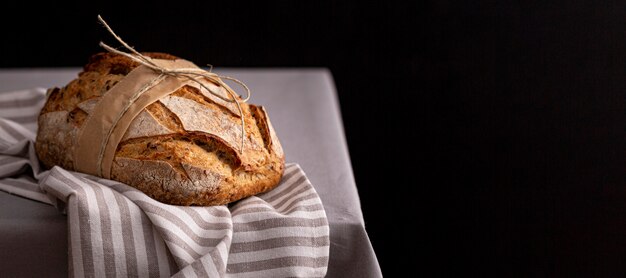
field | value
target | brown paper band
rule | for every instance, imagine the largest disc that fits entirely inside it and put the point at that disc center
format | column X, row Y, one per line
column 105, row 126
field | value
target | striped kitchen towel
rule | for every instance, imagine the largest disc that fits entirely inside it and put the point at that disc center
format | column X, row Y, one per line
column 116, row 230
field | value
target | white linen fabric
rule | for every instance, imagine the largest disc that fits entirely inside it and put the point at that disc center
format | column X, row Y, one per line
column 117, row 230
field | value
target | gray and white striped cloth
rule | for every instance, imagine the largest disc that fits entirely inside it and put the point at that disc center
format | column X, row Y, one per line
column 116, row 230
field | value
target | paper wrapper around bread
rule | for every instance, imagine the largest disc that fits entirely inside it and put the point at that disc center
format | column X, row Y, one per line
column 110, row 117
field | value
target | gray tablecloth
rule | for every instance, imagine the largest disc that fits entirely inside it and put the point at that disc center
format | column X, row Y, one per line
column 302, row 104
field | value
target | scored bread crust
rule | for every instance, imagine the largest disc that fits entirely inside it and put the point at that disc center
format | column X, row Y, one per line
column 181, row 150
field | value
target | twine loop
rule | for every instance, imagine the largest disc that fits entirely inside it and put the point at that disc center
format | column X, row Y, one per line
column 189, row 73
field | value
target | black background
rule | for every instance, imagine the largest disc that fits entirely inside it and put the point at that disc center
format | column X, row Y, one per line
column 487, row 138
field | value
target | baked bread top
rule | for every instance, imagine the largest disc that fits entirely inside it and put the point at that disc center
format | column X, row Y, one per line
column 183, row 149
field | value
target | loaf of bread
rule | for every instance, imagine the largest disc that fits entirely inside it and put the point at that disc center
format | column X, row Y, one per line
column 182, row 149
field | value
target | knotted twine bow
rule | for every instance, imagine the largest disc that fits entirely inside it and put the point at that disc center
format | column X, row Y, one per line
column 190, row 73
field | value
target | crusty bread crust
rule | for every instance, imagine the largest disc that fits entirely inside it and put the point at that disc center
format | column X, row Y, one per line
column 181, row 150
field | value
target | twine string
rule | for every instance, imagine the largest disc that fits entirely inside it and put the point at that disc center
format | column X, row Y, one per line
column 191, row 74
